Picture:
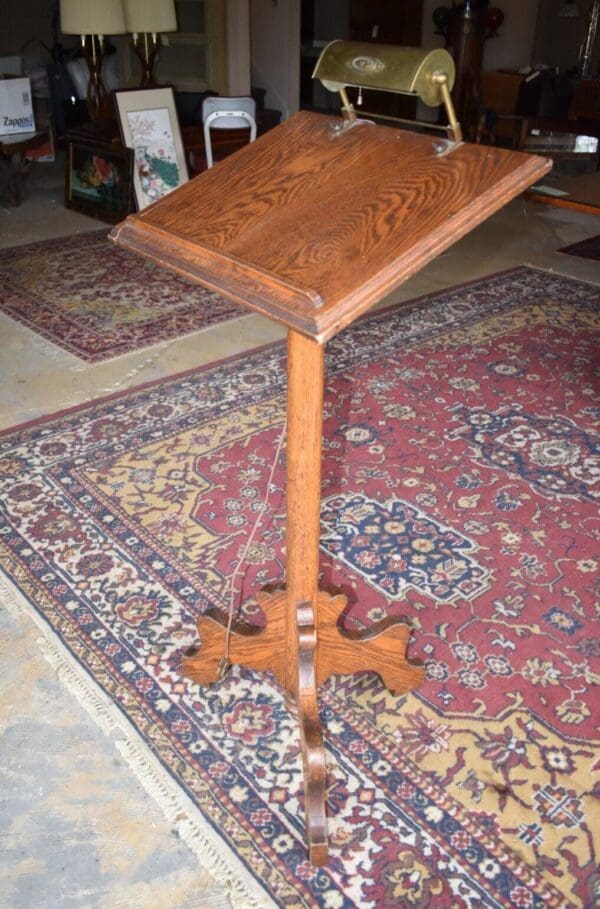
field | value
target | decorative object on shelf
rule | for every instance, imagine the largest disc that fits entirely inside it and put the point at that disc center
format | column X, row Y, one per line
column 146, row 20
column 149, row 124
column 98, row 180
column 426, row 74
column 493, row 20
column 93, row 20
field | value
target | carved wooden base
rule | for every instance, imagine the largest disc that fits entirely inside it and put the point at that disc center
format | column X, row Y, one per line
column 323, row 649
column 380, row 649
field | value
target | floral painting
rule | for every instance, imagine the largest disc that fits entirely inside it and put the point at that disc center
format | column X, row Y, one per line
column 149, row 126
column 96, row 177
column 155, row 155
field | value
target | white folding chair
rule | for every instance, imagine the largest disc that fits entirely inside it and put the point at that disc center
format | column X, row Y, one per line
column 227, row 113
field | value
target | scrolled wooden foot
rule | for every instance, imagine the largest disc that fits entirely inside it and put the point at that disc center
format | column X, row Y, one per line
column 313, row 750
column 380, row 648
column 256, row 648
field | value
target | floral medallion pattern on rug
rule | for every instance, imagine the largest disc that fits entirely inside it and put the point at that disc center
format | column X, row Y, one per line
column 460, row 483
column 98, row 301
column 394, row 546
column 552, row 453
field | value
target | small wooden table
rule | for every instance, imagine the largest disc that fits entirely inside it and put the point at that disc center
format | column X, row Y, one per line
column 311, row 226
column 12, row 164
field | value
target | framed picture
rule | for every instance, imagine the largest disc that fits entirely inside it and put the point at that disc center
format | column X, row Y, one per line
column 149, row 125
column 99, row 179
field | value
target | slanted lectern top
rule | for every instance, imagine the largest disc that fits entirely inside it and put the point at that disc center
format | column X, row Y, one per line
column 312, row 225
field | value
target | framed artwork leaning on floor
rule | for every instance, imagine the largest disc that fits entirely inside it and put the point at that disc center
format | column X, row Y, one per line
column 149, row 125
column 99, row 179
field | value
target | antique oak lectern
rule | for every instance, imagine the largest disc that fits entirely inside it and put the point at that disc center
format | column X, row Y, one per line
column 311, row 225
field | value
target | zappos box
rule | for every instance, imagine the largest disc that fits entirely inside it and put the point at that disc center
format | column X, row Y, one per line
column 16, row 111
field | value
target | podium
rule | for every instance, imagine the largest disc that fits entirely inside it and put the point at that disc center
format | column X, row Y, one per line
column 312, row 225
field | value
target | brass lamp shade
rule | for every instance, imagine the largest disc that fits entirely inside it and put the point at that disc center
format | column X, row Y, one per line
column 150, row 16
column 92, row 17
column 386, row 67
column 427, row 74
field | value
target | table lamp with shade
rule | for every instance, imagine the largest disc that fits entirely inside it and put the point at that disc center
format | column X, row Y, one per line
column 93, row 19
column 146, row 20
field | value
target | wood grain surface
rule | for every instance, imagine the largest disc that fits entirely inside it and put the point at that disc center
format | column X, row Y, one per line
column 312, row 227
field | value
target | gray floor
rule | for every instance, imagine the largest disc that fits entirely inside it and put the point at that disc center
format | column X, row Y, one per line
column 77, row 827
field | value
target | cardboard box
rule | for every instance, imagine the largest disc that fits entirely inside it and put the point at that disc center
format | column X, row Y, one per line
column 16, row 111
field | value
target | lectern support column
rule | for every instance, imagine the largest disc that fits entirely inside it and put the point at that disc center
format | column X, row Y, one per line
column 305, row 420
column 304, row 439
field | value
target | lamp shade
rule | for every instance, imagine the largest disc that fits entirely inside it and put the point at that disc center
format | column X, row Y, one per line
column 92, row 17
column 150, row 15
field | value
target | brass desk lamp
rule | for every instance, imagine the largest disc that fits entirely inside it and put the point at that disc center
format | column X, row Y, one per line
column 426, row 74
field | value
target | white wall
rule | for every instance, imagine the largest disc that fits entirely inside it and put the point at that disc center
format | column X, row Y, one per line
column 513, row 46
column 275, row 52
column 238, row 47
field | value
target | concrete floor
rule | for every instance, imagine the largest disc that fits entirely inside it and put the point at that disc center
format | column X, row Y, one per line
column 77, row 827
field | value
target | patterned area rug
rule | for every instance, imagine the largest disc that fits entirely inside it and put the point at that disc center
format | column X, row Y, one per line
column 585, row 249
column 98, row 301
column 460, row 489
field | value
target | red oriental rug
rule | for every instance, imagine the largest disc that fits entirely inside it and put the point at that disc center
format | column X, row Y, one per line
column 460, row 489
column 99, row 301
column 585, row 249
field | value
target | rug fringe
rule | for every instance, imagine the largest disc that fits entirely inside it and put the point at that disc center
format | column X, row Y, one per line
column 177, row 809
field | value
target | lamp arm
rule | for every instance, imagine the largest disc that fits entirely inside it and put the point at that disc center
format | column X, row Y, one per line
column 347, row 106
column 454, row 130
